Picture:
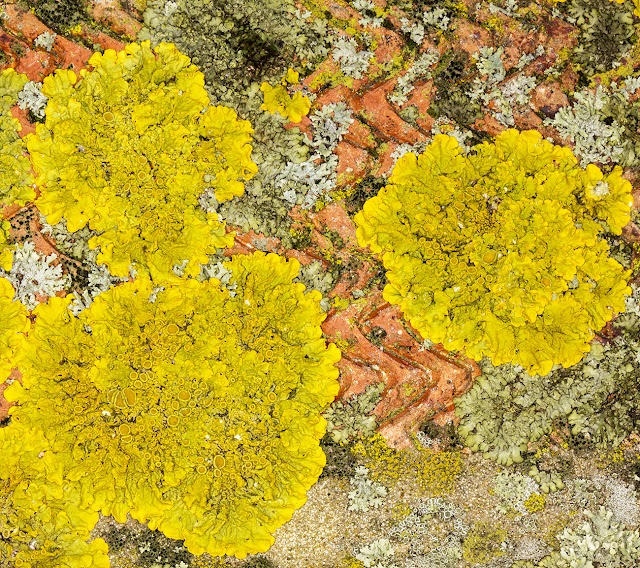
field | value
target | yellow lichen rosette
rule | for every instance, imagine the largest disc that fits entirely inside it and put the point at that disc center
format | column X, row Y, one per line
column 129, row 148
column 498, row 252
column 195, row 408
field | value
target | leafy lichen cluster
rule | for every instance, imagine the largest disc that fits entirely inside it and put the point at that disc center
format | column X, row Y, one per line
column 352, row 418
column 606, row 32
column 197, row 412
column 129, row 149
column 597, row 542
column 498, row 252
column 602, row 125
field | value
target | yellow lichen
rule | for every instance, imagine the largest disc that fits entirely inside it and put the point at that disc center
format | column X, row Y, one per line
column 482, row 544
column 16, row 180
column 129, row 148
column 277, row 99
column 535, row 502
column 435, row 472
column 198, row 413
column 13, row 322
column 43, row 523
column 498, row 252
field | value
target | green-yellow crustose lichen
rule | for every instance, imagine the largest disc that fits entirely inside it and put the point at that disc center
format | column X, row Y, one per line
column 498, row 252
column 197, row 410
column 129, row 148
column 435, row 473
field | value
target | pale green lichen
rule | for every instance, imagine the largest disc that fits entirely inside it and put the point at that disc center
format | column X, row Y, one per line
column 349, row 418
column 602, row 125
column 506, row 408
column 376, row 553
column 607, row 32
column 366, row 493
column 600, row 542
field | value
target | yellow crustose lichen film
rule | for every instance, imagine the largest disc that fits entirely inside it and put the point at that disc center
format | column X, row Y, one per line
column 197, row 412
column 129, row 148
column 498, row 252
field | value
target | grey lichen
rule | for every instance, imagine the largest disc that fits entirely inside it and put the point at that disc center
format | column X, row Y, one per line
column 353, row 62
column 45, row 40
column 622, row 501
column 432, row 515
column 31, row 98
column 420, row 69
column 597, row 124
column 502, row 97
column 32, row 273
column 370, row 15
column 86, row 278
column 513, row 489
column 437, row 17
column 366, row 493
column 600, row 543
column 304, row 182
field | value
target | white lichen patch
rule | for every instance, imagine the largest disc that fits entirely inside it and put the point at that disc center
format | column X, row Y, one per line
column 33, row 274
